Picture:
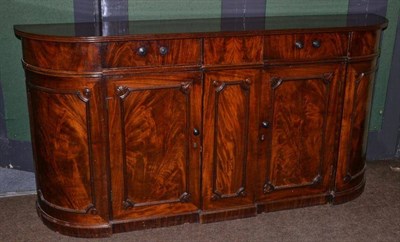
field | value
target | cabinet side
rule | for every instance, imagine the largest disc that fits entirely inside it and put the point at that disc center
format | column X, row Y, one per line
column 67, row 122
column 361, row 69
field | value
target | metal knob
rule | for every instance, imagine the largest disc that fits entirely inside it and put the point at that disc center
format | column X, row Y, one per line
column 316, row 43
column 196, row 132
column 142, row 51
column 299, row 44
column 163, row 50
column 265, row 124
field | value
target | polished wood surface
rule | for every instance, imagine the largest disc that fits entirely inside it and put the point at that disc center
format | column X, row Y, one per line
column 354, row 125
column 62, row 57
column 147, row 124
column 301, row 107
column 68, row 136
column 154, row 153
column 124, row 54
column 230, row 138
column 234, row 50
column 364, row 43
column 283, row 47
column 139, row 30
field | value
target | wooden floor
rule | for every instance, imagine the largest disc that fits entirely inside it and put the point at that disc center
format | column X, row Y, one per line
column 375, row 216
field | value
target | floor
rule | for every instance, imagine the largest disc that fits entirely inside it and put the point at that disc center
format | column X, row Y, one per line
column 374, row 216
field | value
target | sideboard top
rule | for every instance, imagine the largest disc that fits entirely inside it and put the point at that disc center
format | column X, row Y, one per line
column 188, row 28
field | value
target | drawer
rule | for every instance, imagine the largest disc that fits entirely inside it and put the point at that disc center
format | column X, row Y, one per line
column 364, row 43
column 152, row 53
column 311, row 46
column 233, row 50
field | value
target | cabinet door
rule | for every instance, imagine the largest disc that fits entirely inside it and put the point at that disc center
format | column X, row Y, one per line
column 230, row 133
column 69, row 143
column 299, row 118
column 154, row 125
column 358, row 92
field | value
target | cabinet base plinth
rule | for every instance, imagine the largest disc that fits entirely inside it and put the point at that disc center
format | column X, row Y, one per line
column 106, row 230
column 284, row 204
column 166, row 221
column 227, row 214
column 350, row 194
column 65, row 228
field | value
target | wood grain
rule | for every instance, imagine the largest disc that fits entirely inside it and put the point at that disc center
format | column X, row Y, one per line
column 153, row 129
column 233, row 50
column 364, row 43
column 155, row 137
column 229, row 140
column 62, row 123
column 353, row 136
column 282, row 47
column 124, row 54
column 225, row 214
column 69, row 149
column 298, row 152
column 63, row 57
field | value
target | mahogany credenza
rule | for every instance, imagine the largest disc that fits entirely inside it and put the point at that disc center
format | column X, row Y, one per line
column 155, row 123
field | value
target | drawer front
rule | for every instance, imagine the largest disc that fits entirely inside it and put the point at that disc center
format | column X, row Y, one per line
column 364, row 43
column 233, row 50
column 305, row 46
column 152, row 53
column 62, row 56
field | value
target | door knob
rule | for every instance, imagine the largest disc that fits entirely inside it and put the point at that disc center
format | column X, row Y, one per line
column 265, row 124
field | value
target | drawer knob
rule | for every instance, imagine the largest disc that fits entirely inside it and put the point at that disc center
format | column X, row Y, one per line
column 299, row 44
column 316, row 43
column 196, row 132
column 142, row 51
column 163, row 50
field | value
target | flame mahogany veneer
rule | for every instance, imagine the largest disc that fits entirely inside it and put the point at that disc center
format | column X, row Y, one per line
column 155, row 123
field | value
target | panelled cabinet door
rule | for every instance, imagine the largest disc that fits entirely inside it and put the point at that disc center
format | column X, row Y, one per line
column 69, row 144
column 358, row 92
column 155, row 130
column 230, row 133
column 298, row 124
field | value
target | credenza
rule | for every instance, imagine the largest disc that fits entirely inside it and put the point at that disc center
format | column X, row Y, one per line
column 145, row 124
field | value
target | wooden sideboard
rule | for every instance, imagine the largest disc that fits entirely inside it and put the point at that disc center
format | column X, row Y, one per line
column 155, row 123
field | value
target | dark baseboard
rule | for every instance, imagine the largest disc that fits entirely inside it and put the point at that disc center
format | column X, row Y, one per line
column 380, row 147
column 16, row 154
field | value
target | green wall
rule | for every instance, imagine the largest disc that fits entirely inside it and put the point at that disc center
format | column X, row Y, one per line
column 11, row 73
column 173, row 9
column 305, row 7
column 385, row 60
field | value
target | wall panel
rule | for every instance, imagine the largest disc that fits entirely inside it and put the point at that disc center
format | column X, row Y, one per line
column 173, row 9
column 305, row 7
